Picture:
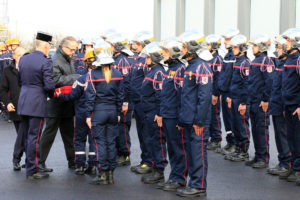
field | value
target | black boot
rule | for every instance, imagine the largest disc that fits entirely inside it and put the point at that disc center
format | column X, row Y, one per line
column 123, row 160
column 277, row 170
column 240, row 157
column 191, row 192
column 91, row 170
column 17, row 166
column 110, row 177
column 155, row 177
column 101, row 179
column 43, row 168
column 213, row 145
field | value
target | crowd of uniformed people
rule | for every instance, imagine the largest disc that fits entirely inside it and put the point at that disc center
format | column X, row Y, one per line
column 175, row 89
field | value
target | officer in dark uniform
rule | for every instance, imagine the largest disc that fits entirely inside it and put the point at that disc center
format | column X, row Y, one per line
column 36, row 80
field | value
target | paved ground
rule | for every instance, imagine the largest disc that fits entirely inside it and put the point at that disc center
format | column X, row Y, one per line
column 226, row 180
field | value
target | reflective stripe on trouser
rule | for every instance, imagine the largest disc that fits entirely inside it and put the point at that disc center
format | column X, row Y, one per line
column 215, row 131
column 240, row 126
column 80, row 137
column 196, row 156
column 32, row 127
column 293, row 135
column 176, row 142
column 144, row 138
column 260, row 132
column 104, row 132
column 157, row 142
column 123, row 140
column 284, row 155
column 226, row 114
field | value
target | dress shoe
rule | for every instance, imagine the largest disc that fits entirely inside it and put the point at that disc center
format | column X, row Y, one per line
column 143, row 169
column 91, row 170
column 155, row 177
column 39, row 175
column 213, row 145
column 260, row 165
column 191, row 192
column 101, row 179
column 277, row 170
column 172, row 186
column 17, row 166
column 43, row 168
column 79, row 171
column 123, row 160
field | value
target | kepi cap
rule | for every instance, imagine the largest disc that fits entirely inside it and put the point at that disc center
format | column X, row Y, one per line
column 43, row 36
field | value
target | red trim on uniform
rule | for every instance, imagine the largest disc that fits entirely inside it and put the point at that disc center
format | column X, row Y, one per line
column 79, row 59
column 239, row 67
column 212, row 64
column 141, row 65
column 266, row 137
column 80, row 66
column 278, row 69
column 199, row 75
column 97, row 157
column 37, row 147
column 74, row 142
column 290, row 65
column 122, row 67
column 152, row 80
column 125, row 132
column 290, row 162
column 174, row 77
column 185, row 158
column 162, row 149
column 219, row 127
column 246, row 130
column 102, row 80
column 260, row 64
column 63, row 90
column 203, row 162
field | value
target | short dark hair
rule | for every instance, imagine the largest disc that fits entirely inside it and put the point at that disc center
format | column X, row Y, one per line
column 67, row 40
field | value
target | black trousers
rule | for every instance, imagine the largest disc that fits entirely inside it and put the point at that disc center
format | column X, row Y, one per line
column 19, row 147
column 66, row 127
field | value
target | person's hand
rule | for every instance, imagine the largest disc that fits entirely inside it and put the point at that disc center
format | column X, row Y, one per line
column 214, row 100
column 180, row 128
column 124, row 109
column 158, row 119
column 11, row 107
column 242, row 109
column 264, row 106
column 89, row 122
column 119, row 118
column 198, row 129
column 229, row 102
column 297, row 112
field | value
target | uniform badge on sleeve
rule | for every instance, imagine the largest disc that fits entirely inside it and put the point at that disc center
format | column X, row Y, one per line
column 74, row 84
column 269, row 69
column 247, row 72
column 204, row 80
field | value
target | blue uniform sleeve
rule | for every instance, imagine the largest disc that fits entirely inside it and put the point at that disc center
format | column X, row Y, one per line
column 217, row 67
column 90, row 95
column 204, row 94
column 48, row 81
column 76, row 92
column 244, row 87
column 267, row 77
column 157, row 93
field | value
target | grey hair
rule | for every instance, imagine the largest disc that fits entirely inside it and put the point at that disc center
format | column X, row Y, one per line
column 67, row 40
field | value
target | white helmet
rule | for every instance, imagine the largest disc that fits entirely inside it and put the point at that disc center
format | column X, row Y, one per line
column 214, row 40
column 103, row 53
column 173, row 46
column 281, row 41
column 294, row 35
column 154, row 51
column 118, row 41
column 230, row 33
column 87, row 41
column 239, row 41
column 193, row 40
column 144, row 37
column 262, row 41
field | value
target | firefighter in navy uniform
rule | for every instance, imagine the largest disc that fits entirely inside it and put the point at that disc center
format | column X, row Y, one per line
column 276, row 110
column 82, row 131
column 237, row 99
column 124, row 65
column 291, row 99
column 151, row 99
column 224, row 84
column 36, row 80
column 213, row 43
column 79, row 64
column 195, row 112
column 169, row 109
column 138, row 74
column 104, row 99
column 259, row 92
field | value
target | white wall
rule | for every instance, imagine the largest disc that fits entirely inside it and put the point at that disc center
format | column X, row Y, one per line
column 168, row 19
column 194, row 15
column 298, row 13
column 265, row 17
column 226, row 13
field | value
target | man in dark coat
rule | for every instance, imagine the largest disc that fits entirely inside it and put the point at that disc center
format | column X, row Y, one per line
column 60, row 114
column 9, row 92
column 36, row 80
